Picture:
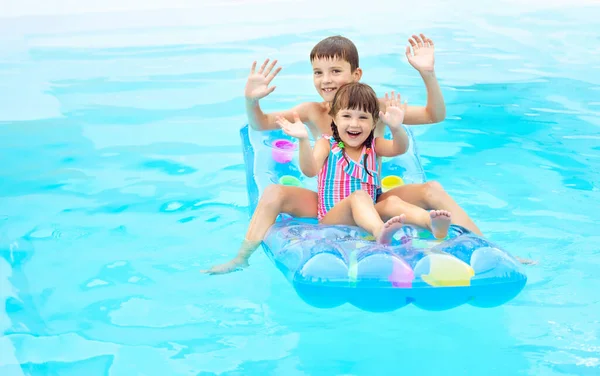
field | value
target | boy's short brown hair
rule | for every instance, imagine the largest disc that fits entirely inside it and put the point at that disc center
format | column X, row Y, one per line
column 336, row 47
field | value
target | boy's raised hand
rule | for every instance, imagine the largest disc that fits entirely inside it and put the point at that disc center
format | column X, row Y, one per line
column 296, row 129
column 421, row 57
column 394, row 111
column 257, row 86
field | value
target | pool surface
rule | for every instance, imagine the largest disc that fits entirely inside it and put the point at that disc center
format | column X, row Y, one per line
column 122, row 176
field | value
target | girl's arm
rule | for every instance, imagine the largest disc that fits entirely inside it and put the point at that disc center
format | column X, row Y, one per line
column 391, row 148
column 311, row 161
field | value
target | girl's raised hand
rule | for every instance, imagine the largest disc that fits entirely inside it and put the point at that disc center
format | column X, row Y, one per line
column 296, row 129
column 394, row 111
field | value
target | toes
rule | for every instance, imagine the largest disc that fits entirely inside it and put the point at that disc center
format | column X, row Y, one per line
column 389, row 229
column 439, row 213
column 394, row 220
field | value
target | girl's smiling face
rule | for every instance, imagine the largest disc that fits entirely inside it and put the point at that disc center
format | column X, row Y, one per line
column 354, row 126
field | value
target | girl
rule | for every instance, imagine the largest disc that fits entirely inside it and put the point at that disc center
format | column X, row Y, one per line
column 347, row 170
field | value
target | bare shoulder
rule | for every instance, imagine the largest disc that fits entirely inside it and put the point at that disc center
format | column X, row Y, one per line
column 321, row 150
column 315, row 111
column 322, row 142
column 321, row 118
column 306, row 109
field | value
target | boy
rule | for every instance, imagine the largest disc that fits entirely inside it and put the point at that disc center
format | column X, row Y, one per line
column 335, row 63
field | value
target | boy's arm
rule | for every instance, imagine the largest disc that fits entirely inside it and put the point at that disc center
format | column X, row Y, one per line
column 260, row 121
column 257, row 87
column 435, row 110
column 422, row 59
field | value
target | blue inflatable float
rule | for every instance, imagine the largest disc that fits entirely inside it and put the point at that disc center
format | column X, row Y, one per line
column 332, row 265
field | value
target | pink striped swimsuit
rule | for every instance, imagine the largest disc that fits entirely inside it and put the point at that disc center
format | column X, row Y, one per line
column 339, row 178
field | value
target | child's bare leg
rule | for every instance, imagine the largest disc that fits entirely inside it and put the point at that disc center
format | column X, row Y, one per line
column 431, row 195
column 358, row 209
column 276, row 199
column 436, row 221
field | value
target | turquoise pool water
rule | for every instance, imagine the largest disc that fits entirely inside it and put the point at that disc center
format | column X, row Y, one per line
column 122, row 177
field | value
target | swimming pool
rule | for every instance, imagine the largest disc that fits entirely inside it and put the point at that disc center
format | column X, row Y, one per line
column 122, row 176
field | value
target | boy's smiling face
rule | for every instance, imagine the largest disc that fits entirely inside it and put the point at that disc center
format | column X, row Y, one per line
column 329, row 74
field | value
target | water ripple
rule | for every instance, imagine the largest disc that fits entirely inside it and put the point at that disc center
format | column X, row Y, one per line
column 123, row 177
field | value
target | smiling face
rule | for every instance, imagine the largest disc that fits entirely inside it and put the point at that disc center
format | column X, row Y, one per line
column 329, row 74
column 335, row 63
column 355, row 110
column 354, row 126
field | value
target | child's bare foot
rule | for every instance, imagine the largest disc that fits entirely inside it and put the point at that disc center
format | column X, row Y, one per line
column 228, row 267
column 440, row 222
column 389, row 229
